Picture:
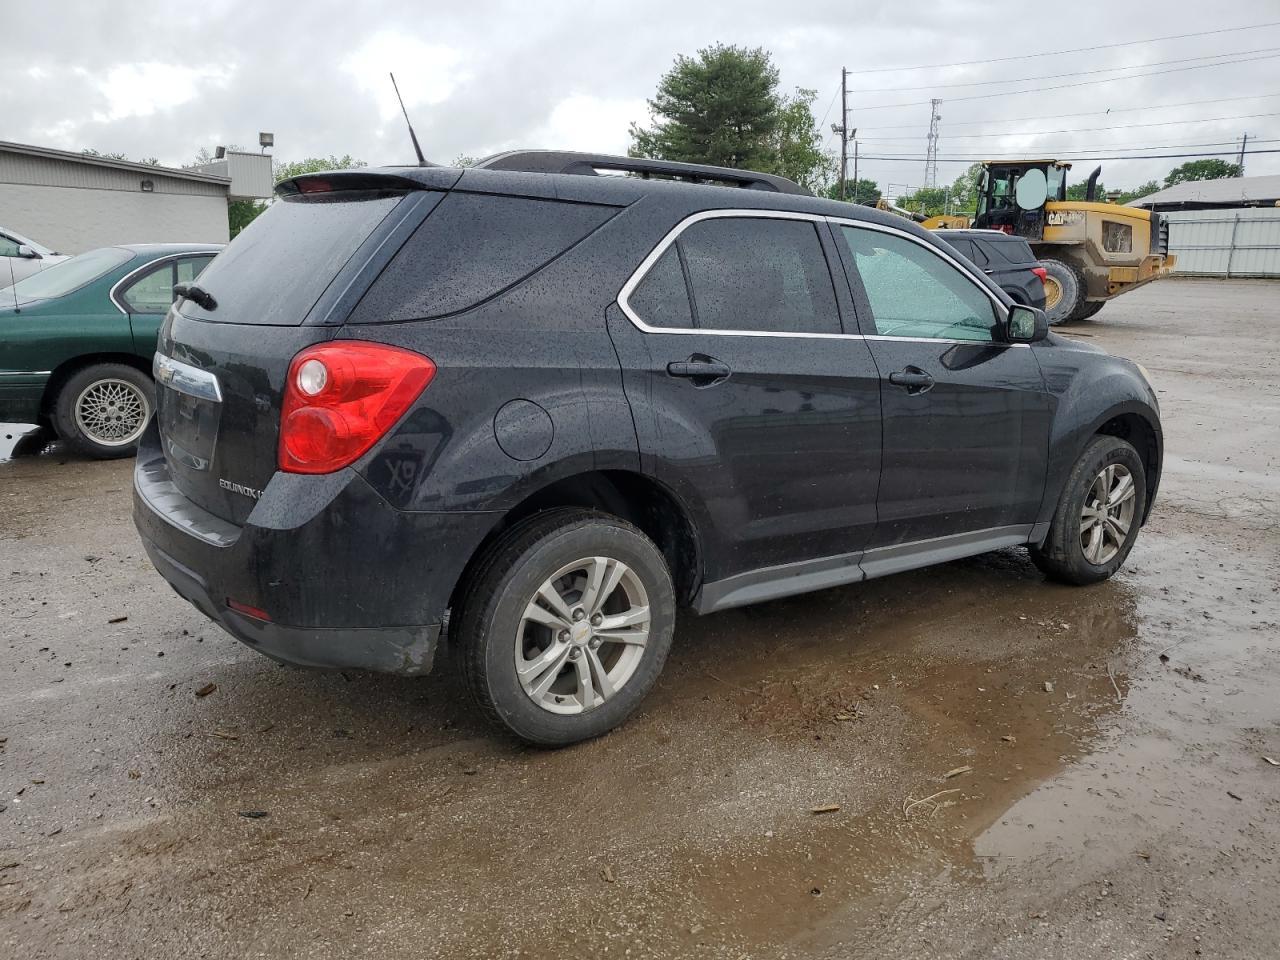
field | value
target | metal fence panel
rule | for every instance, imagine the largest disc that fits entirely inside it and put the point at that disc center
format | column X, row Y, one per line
column 1226, row 243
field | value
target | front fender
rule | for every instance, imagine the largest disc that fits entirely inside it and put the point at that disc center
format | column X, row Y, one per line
column 1089, row 390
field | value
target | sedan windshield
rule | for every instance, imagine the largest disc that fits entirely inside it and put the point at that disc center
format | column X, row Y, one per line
column 63, row 278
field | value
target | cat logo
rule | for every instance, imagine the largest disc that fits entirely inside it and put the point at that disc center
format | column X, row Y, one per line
column 1062, row 218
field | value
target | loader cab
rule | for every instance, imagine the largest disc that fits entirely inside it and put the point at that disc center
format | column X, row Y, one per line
column 1012, row 195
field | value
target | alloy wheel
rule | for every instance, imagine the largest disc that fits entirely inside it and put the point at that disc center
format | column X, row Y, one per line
column 112, row 412
column 582, row 635
column 1107, row 514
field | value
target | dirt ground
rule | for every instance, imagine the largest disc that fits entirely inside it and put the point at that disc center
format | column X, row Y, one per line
column 1119, row 804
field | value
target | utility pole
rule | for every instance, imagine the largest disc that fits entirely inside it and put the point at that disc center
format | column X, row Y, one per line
column 931, row 155
column 844, row 123
column 1243, row 141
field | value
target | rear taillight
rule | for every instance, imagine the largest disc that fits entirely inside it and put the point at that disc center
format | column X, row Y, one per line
column 340, row 399
column 1041, row 272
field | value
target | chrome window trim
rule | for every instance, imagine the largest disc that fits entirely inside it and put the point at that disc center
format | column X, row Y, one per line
column 665, row 243
column 118, row 300
column 185, row 378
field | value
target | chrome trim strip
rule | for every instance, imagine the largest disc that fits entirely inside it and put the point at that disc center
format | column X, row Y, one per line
column 185, row 378
column 638, row 275
column 25, row 373
column 111, row 294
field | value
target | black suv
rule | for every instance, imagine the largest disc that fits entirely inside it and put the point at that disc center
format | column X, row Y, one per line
column 552, row 406
column 1006, row 259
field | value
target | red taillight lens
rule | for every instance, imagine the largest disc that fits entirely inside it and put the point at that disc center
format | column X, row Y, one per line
column 341, row 398
column 1041, row 272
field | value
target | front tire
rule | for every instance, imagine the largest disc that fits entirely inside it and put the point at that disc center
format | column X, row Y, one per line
column 565, row 625
column 102, row 410
column 1098, row 516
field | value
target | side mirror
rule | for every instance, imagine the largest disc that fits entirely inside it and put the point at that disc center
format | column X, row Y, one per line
column 1026, row 324
column 27, row 253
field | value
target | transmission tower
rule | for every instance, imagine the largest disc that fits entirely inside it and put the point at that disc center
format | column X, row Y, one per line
column 931, row 156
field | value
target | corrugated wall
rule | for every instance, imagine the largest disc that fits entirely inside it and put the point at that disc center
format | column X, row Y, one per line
column 1226, row 243
column 56, row 172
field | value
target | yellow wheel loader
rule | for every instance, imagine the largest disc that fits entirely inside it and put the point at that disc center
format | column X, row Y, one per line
column 1091, row 251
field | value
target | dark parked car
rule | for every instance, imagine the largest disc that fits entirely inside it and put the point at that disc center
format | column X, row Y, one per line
column 555, row 406
column 1007, row 260
column 76, row 342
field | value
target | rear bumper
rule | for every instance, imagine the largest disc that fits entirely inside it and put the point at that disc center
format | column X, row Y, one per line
column 345, row 579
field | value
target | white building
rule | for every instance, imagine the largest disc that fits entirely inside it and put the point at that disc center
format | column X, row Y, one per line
column 72, row 202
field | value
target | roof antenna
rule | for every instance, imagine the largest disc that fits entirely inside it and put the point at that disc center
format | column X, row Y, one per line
column 422, row 161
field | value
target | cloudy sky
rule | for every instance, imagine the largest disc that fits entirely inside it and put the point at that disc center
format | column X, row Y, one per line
column 165, row 79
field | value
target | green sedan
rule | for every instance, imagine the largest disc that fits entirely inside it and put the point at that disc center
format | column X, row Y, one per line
column 76, row 342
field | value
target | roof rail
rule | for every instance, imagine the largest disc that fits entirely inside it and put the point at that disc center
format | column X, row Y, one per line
column 591, row 164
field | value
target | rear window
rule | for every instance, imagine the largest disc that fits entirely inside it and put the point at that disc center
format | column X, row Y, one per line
column 1011, row 250
column 69, row 275
column 275, row 270
column 470, row 249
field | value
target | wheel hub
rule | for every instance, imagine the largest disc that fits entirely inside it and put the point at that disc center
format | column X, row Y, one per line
column 582, row 636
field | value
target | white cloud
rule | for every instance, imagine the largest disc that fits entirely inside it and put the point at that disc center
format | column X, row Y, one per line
column 140, row 89
column 585, row 122
column 427, row 73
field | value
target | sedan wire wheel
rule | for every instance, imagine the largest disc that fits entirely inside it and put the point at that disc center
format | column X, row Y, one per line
column 112, row 412
column 582, row 635
column 1107, row 514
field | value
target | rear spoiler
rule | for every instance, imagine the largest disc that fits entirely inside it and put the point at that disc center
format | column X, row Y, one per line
column 406, row 178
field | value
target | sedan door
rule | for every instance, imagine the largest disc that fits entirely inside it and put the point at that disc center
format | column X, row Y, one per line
column 146, row 296
column 966, row 413
column 750, row 401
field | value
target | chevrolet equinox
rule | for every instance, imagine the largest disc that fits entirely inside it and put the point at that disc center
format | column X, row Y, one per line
column 549, row 399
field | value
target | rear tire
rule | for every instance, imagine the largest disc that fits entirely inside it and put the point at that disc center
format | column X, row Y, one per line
column 102, row 410
column 527, row 625
column 1098, row 516
column 1063, row 290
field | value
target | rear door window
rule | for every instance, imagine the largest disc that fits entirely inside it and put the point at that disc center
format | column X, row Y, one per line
column 759, row 274
column 662, row 299
column 152, row 292
column 275, row 269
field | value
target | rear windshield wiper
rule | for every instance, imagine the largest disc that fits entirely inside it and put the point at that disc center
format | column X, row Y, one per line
column 193, row 291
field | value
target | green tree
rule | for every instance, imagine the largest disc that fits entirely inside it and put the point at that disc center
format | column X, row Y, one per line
column 964, row 191
column 1138, row 192
column 296, row 168
column 720, row 107
column 931, row 201
column 1079, row 191
column 1208, row 169
column 798, row 144
column 862, row 191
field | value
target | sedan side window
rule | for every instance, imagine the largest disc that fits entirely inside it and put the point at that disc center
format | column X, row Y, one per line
column 8, row 246
column 152, row 292
column 189, row 269
column 913, row 292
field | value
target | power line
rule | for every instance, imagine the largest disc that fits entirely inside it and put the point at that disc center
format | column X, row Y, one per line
column 1093, row 113
column 1146, row 156
column 1060, row 150
column 1054, row 53
column 1074, row 73
column 1064, row 86
column 1120, row 126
